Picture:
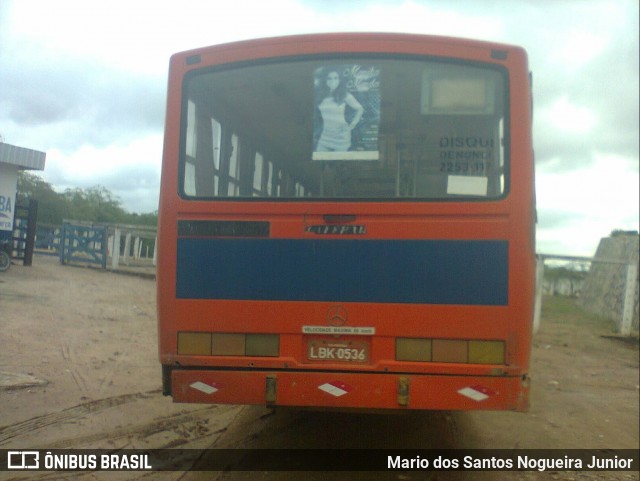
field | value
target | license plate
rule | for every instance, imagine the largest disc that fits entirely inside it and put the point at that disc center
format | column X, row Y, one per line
column 332, row 350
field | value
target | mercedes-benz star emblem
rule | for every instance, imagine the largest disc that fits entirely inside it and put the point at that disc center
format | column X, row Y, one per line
column 336, row 316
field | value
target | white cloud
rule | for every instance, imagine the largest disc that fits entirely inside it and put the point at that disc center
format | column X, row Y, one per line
column 89, row 162
column 86, row 81
column 580, row 47
column 606, row 188
column 140, row 36
column 593, row 201
column 567, row 117
column 131, row 171
column 422, row 18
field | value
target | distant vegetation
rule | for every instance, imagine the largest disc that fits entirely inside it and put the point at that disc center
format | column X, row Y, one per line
column 573, row 272
column 621, row 232
column 95, row 204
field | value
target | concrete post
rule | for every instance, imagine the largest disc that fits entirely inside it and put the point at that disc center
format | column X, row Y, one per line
column 537, row 309
column 137, row 245
column 155, row 251
column 629, row 299
column 115, row 252
column 127, row 248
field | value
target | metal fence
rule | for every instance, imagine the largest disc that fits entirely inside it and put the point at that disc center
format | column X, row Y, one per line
column 109, row 246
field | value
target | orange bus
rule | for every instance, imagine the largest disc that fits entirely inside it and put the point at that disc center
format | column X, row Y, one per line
column 347, row 221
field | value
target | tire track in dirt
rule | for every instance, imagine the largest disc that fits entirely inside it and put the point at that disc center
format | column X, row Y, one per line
column 78, row 379
column 9, row 432
column 66, row 352
column 94, row 475
column 195, row 429
column 259, row 428
column 188, row 427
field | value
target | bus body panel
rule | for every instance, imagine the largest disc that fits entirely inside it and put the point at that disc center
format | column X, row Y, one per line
column 466, row 272
column 348, row 390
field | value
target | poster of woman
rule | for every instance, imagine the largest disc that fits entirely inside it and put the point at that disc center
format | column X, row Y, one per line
column 347, row 112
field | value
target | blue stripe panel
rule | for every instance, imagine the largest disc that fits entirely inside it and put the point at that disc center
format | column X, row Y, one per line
column 386, row 271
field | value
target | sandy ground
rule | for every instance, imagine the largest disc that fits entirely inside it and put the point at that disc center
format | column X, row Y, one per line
column 78, row 355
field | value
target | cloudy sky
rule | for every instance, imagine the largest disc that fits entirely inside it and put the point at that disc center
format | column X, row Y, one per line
column 85, row 82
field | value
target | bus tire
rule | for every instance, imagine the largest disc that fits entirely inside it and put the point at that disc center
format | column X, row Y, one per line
column 5, row 261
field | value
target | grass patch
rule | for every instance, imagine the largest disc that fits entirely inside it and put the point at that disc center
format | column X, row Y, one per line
column 564, row 310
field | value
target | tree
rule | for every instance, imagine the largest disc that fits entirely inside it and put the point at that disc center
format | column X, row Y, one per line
column 52, row 207
column 622, row 232
column 95, row 204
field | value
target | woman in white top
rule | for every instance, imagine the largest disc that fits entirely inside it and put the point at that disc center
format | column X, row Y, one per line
column 336, row 131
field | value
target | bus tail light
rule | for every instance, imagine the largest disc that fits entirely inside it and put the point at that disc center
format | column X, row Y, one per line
column 450, row 350
column 486, row 352
column 267, row 345
column 227, row 344
column 216, row 344
column 194, row 343
column 413, row 349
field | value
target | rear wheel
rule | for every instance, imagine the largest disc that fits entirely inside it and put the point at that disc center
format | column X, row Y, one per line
column 5, row 261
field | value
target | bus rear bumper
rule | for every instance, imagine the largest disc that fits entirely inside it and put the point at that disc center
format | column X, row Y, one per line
column 350, row 390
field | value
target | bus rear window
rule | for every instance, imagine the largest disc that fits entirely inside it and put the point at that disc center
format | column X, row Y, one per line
column 347, row 128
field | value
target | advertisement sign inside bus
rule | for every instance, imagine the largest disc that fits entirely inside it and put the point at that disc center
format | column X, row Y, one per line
column 347, row 112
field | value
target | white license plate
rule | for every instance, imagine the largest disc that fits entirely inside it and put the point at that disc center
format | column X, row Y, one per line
column 331, row 350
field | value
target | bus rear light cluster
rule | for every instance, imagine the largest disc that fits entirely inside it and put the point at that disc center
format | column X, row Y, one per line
column 216, row 344
column 450, row 350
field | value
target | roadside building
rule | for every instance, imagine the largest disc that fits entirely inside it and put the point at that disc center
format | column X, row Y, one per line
column 12, row 160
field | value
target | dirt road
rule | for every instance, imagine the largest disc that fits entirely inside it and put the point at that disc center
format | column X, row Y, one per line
column 78, row 355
